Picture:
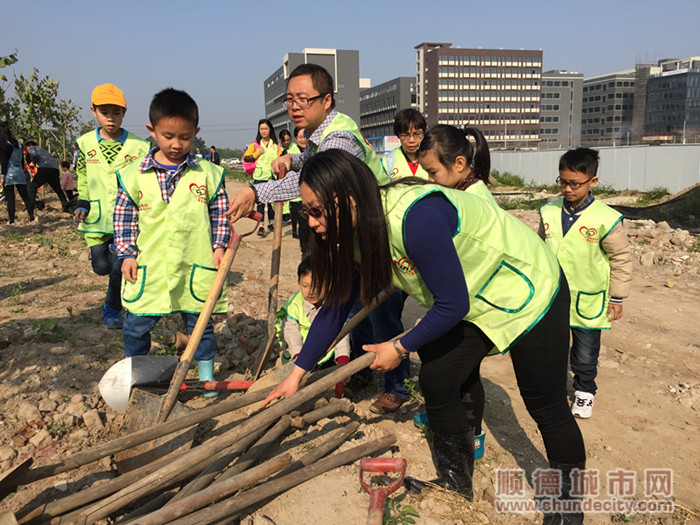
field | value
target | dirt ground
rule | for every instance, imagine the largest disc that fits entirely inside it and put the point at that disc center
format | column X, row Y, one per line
column 54, row 350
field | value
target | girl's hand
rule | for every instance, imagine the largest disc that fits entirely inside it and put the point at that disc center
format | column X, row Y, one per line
column 387, row 357
column 287, row 387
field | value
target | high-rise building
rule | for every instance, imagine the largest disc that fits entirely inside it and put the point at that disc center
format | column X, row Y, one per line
column 496, row 90
column 560, row 109
column 379, row 105
column 673, row 101
column 343, row 66
column 608, row 104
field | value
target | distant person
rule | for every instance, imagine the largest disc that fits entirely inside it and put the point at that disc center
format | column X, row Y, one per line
column 285, row 141
column 74, row 161
column 12, row 173
column 409, row 127
column 198, row 153
column 46, row 173
column 214, row 157
column 67, row 183
column 311, row 105
column 300, row 227
column 593, row 249
column 171, row 241
column 101, row 153
column 263, row 150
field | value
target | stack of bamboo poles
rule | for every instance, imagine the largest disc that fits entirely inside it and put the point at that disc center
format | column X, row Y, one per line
column 215, row 470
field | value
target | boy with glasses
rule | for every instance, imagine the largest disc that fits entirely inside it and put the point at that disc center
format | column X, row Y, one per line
column 593, row 250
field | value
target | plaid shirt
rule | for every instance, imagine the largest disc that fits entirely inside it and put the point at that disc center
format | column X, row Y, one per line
column 126, row 219
column 288, row 188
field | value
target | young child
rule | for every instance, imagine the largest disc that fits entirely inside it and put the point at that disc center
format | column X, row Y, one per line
column 101, row 153
column 593, row 250
column 409, row 126
column 67, row 184
column 296, row 315
column 170, row 230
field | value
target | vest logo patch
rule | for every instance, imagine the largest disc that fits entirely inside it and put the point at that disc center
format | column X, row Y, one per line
column 547, row 235
column 200, row 192
column 92, row 157
column 394, row 172
column 143, row 206
column 590, row 234
column 405, row 265
column 130, row 158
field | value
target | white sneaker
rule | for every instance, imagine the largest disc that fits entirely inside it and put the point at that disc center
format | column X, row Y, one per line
column 582, row 407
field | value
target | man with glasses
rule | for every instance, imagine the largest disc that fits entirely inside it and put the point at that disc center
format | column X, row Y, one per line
column 311, row 106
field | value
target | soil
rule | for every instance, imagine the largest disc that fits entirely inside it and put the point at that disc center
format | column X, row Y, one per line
column 54, row 350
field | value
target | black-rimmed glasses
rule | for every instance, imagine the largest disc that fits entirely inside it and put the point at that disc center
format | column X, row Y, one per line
column 301, row 102
column 573, row 185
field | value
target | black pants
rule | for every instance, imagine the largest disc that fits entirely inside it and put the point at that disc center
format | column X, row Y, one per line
column 51, row 177
column 10, row 196
column 301, row 226
column 540, row 365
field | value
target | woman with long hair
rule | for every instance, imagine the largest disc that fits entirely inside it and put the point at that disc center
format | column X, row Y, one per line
column 264, row 149
column 489, row 283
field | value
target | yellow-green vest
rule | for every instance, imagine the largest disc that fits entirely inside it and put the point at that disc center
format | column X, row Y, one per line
column 512, row 277
column 396, row 166
column 585, row 263
column 175, row 256
column 263, row 166
column 102, row 180
column 480, row 189
column 342, row 122
column 293, row 149
column 294, row 309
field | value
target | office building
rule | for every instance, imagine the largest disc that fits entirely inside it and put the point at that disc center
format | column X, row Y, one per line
column 607, row 107
column 673, row 102
column 343, row 66
column 496, row 90
column 379, row 105
column 560, row 110
column 642, row 72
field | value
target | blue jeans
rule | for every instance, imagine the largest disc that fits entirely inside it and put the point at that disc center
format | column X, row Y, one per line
column 105, row 262
column 584, row 358
column 136, row 333
column 383, row 324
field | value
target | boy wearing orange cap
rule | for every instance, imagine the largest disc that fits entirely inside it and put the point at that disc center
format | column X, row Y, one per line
column 101, row 153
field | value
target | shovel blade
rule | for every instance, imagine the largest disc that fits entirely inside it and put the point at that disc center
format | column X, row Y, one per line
column 141, row 412
column 142, row 370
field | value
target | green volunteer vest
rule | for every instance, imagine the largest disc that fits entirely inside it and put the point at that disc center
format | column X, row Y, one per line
column 101, row 180
column 511, row 276
column 480, row 189
column 263, row 166
column 294, row 309
column 175, row 260
column 293, row 148
column 396, row 165
column 342, row 122
column 585, row 263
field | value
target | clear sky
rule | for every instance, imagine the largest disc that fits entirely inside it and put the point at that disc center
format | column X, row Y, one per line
column 222, row 51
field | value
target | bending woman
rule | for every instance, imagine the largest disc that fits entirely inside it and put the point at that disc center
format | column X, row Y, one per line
column 487, row 279
column 12, row 174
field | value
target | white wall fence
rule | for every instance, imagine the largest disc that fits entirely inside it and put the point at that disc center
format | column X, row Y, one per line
column 674, row 166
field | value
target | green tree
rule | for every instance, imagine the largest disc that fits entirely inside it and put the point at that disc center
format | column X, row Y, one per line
column 35, row 107
column 5, row 62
